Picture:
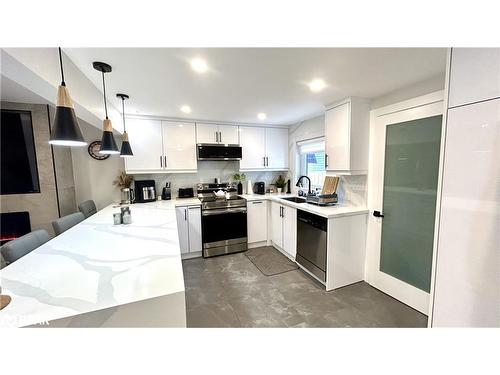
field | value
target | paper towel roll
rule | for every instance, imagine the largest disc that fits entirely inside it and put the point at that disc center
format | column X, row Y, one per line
column 249, row 187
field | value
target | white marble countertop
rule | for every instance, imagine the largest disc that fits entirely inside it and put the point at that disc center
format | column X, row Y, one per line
column 325, row 211
column 96, row 265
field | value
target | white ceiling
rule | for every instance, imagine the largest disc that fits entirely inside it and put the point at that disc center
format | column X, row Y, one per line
column 243, row 82
column 11, row 91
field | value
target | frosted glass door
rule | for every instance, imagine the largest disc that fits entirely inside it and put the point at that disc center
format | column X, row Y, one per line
column 409, row 199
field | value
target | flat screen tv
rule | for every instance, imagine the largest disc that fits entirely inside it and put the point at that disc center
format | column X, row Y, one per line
column 19, row 172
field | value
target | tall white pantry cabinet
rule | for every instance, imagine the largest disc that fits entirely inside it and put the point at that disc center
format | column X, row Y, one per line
column 467, row 266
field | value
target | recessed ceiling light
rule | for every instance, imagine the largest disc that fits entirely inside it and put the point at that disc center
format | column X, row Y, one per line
column 186, row 109
column 261, row 116
column 199, row 65
column 316, row 85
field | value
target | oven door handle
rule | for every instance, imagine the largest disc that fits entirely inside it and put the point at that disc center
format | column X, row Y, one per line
column 224, row 211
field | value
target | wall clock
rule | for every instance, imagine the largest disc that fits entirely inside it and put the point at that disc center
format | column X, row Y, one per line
column 94, row 149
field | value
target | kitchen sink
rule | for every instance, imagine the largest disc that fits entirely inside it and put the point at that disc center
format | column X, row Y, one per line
column 295, row 199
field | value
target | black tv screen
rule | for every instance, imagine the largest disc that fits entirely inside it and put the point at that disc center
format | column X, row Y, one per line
column 19, row 173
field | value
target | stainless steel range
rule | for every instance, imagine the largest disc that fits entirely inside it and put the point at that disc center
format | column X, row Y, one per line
column 223, row 219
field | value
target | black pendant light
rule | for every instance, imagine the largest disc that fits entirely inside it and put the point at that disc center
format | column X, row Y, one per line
column 108, row 144
column 126, row 150
column 65, row 131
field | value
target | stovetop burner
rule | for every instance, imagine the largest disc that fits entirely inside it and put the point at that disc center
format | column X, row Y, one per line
column 210, row 200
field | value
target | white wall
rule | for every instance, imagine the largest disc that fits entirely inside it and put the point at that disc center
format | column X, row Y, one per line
column 432, row 84
column 304, row 130
column 94, row 178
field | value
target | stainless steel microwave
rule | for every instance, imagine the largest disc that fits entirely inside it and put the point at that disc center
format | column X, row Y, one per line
column 219, row 152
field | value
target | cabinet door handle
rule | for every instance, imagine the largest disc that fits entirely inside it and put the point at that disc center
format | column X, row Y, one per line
column 185, row 214
column 264, row 161
column 326, row 160
column 220, row 137
column 165, row 161
column 267, row 161
column 161, row 162
column 256, row 202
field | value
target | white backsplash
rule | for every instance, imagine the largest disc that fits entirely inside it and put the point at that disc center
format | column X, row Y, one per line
column 207, row 172
column 352, row 190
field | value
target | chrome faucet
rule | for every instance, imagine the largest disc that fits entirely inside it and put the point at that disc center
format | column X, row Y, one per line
column 299, row 184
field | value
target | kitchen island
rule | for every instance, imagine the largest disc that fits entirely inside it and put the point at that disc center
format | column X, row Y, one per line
column 97, row 274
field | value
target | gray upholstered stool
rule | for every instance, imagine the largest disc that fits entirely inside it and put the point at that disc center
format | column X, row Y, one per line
column 64, row 223
column 15, row 249
column 87, row 208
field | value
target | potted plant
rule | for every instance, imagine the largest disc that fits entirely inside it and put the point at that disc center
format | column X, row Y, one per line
column 123, row 182
column 280, row 184
column 239, row 177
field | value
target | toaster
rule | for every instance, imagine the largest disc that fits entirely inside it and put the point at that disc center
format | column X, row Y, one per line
column 186, row 193
column 259, row 188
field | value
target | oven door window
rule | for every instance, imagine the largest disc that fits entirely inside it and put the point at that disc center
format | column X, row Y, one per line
column 223, row 226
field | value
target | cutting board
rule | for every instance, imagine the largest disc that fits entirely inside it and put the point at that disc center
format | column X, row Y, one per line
column 4, row 301
column 330, row 185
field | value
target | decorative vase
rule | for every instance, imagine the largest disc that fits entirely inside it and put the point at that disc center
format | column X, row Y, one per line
column 279, row 190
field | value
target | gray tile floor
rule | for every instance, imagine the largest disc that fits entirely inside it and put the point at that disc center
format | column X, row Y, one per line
column 229, row 291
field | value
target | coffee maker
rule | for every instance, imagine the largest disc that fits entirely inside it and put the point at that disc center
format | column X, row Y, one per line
column 145, row 191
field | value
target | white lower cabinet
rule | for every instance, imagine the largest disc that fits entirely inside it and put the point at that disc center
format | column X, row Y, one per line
column 189, row 228
column 284, row 229
column 257, row 221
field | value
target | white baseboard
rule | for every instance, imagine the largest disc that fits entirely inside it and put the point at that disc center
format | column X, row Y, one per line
column 196, row 254
column 257, row 244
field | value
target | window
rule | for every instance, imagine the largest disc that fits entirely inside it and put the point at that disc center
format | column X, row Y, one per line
column 312, row 161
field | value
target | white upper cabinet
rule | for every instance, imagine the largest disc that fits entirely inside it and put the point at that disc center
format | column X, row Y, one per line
column 264, row 148
column 229, row 135
column 179, row 146
column 347, row 130
column 253, row 144
column 277, row 148
column 206, row 133
column 474, row 75
column 160, row 146
column 217, row 134
column 146, row 142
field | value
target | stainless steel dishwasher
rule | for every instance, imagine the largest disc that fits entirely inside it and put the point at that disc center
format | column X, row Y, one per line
column 311, row 243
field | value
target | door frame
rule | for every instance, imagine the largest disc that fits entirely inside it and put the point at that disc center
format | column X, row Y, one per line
column 412, row 296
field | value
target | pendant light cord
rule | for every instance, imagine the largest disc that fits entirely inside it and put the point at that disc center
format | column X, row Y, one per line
column 123, row 113
column 104, row 88
column 61, row 65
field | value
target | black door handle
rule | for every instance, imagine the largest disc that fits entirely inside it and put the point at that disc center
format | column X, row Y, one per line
column 377, row 214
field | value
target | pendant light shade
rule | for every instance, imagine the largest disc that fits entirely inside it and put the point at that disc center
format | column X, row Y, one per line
column 126, row 150
column 65, row 130
column 108, row 143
